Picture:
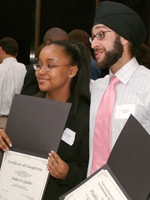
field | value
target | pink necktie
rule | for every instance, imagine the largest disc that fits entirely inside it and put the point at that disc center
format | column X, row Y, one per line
column 101, row 146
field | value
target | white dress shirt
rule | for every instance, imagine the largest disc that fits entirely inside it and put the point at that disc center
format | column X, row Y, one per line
column 12, row 75
column 132, row 97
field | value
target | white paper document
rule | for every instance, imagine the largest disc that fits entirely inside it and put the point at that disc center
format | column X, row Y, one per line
column 100, row 187
column 22, row 177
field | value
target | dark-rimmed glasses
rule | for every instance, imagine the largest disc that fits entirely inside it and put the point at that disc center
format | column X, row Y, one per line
column 100, row 35
column 46, row 68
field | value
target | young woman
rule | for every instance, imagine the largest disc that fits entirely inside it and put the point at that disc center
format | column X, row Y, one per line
column 63, row 75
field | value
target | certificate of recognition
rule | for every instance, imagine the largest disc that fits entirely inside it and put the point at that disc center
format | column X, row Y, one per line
column 22, row 177
column 101, row 186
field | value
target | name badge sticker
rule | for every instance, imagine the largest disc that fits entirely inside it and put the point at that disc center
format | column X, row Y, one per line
column 68, row 136
column 124, row 111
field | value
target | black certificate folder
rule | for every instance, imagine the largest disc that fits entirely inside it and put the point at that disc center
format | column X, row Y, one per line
column 130, row 160
column 128, row 165
column 35, row 125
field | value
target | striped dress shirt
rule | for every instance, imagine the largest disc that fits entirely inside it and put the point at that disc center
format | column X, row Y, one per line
column 132, row 97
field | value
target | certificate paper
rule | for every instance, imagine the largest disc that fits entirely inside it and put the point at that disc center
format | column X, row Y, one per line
column 100, row 187
column 22, row 177
column 120, row 178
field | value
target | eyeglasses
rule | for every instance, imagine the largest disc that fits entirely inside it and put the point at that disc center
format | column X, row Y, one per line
column 46, row 68
column 100, row 35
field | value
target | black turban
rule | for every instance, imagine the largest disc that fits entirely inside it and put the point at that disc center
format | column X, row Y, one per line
column 121, row 19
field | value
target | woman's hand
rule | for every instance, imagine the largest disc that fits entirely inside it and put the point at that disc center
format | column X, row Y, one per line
column 56, row 166
column 5, row 142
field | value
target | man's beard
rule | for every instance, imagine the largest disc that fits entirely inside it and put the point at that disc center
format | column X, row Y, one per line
column 111, row 57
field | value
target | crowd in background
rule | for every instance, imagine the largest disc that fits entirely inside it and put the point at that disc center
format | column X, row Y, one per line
column 74, row 67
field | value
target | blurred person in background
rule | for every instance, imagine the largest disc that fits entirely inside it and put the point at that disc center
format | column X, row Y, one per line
column 12, row 75
column 82, row 36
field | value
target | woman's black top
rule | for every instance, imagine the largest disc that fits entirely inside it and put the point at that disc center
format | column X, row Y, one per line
column 76, row 156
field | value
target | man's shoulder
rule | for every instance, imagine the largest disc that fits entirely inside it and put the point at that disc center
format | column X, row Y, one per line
column 21, row 64
column 143, row 73
column 144, row 70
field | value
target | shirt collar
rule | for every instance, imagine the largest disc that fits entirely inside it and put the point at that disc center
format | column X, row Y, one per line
column 10, row 59
column 125, row 72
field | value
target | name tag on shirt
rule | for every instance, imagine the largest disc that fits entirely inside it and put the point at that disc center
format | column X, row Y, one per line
column 68, row 136
column 124, row 111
